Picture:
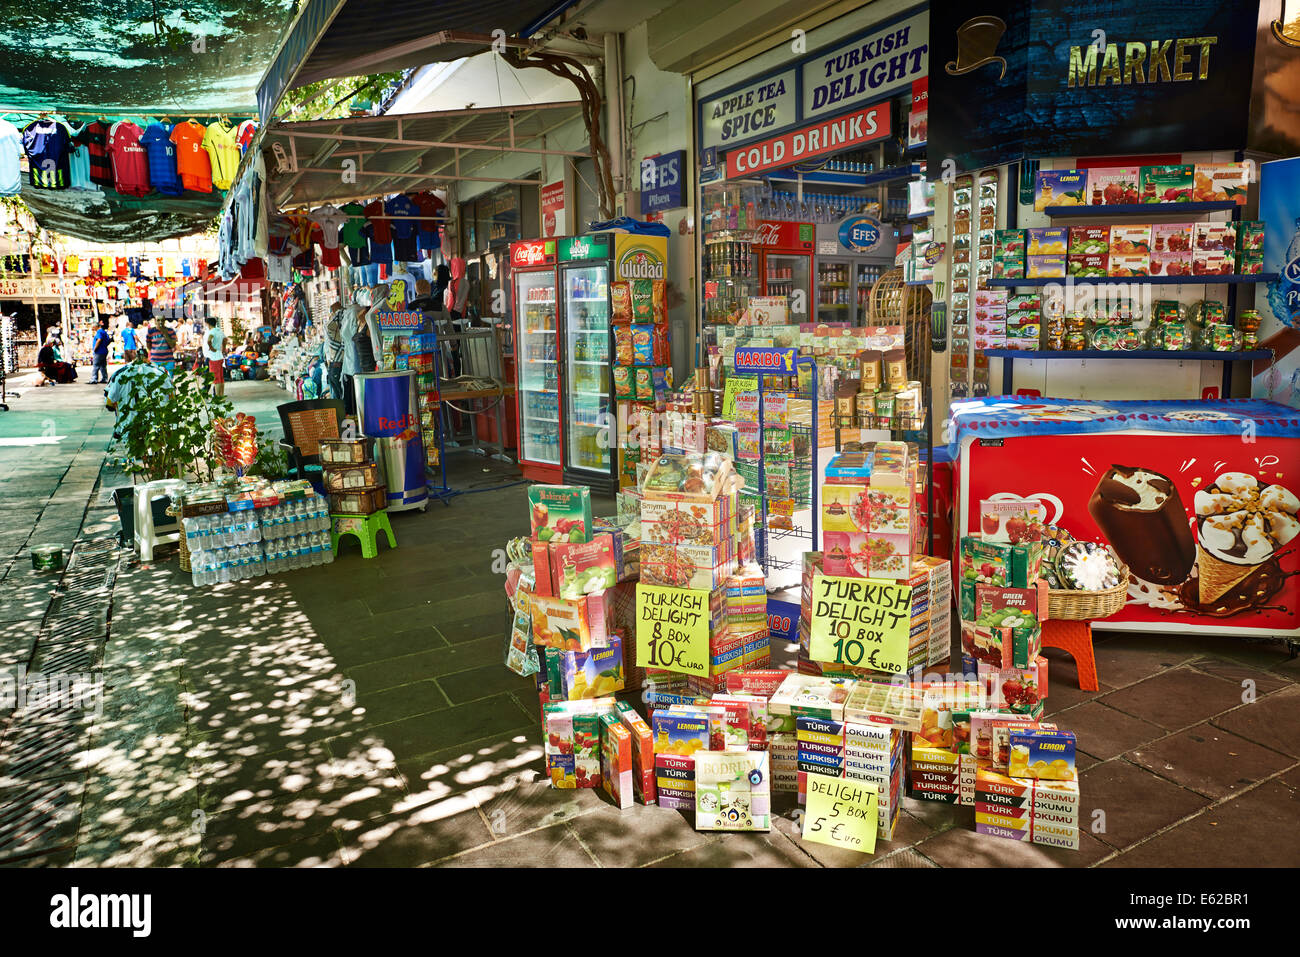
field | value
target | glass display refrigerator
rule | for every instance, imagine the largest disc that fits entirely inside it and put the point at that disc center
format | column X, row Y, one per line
column 785, row 265
column 589, row 266
column 851, row 255
column 537, row 360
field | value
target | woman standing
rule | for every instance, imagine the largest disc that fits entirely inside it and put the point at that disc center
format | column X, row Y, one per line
column 162, row 344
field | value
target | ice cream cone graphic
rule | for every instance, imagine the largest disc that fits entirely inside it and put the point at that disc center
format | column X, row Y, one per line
column 1241, row 525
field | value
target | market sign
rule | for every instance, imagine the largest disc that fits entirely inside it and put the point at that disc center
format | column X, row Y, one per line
column 399, row 320
column 862, row 234
column 672, row 628
column 868, row 68
column 579, row 248
column 782, row 618
column 553, row 215
column 764, row 359
column 1109, row 77
column 749, row 112
column 842, row 813
column 537, row 252
column 661, row 182
column 33, row 288
column 831, row 136
column 862, row 622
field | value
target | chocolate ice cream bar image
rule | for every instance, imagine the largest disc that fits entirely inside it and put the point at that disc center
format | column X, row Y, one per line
column 1142, row 517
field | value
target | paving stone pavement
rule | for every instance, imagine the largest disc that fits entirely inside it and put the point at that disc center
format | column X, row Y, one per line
column 358, row 714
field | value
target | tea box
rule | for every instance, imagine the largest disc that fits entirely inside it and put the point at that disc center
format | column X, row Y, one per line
column 616, row 764
column 1113, row 186
column 1045, row 267
column 561, row 623
column 594, row 673
column 573, row 748
column 1059, row 187
column 1166, row 184
column 576, row 570
column 560, row 513
column 1000, row 563
column 1221, row 182
column 1214, row 237
column 1088, row 265
column 643, row 756
column 681, row 732
column 1047, row 241
column 733, row 791
column 1039, row 753
column 1250, row 236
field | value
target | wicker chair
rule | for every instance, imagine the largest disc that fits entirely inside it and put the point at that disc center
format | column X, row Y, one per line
column 305, row 424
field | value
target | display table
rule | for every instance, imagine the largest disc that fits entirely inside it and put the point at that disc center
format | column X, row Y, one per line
column 1218, row 543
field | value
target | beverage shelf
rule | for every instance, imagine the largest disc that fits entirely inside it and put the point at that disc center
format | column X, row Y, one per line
column 1139, row 209
column 1138, row 280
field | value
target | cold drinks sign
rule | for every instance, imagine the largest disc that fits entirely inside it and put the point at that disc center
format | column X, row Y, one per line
column 832, row 136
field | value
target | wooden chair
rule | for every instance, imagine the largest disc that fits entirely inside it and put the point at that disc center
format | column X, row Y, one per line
column 305, row 424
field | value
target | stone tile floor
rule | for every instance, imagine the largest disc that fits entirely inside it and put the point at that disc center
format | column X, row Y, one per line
column 358, row 714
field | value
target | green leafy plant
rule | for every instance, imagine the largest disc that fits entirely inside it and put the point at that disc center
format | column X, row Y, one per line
column 272, row 461
column 166, row 430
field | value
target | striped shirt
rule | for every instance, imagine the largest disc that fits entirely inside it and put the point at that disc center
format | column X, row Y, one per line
column 160, row 350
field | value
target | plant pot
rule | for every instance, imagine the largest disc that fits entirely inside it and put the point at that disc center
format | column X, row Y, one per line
column 124, row 500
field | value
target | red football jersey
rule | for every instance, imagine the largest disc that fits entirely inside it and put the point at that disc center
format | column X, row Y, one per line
column 130, row 161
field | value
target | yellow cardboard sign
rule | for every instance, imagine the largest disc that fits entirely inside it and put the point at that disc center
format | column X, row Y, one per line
column 863, row 622
column 733, row 387
column 672, row 629
column 841, row 813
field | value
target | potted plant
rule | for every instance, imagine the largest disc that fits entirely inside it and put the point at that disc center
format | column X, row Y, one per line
column 165, row 431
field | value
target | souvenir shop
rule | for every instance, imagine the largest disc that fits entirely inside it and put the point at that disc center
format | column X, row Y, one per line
column 895, row 465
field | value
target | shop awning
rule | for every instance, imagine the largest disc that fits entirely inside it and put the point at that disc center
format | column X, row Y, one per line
column 336, row 161
column 120, row 56
column 108, row 217
column 335, row 38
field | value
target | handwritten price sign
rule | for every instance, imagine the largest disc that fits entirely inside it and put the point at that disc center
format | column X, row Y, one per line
column 863, row 622
column 841, row 813
column 672, row 629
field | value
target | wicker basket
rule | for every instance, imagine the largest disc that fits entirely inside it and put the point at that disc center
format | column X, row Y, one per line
column 184, row 549
column 1076, row 605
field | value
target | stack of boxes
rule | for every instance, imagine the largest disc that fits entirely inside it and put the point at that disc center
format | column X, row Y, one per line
column 1036, row 798
column 352, row 479
column 422, row 360
column 868, row 512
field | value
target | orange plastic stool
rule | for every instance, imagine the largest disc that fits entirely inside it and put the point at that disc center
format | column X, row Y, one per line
column 1076, row 638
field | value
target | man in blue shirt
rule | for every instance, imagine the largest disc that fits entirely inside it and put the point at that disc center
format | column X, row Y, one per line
column 99, row 353
column 129, row 343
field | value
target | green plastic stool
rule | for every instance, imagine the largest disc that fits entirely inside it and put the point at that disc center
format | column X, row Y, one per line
column 366, row 528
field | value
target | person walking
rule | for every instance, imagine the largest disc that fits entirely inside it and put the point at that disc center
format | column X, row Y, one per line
column 162, row 344
column 130, row 341
column 99, row 353
column 214, row 350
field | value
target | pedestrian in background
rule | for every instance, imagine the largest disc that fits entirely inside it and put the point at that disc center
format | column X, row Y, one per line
column 162, row 344
column 214, row 350
column 99, row 353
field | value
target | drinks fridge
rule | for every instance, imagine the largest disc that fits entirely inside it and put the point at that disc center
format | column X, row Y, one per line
column 851, row 255
column 588, row 268
column 537, row 359
column 785, row 261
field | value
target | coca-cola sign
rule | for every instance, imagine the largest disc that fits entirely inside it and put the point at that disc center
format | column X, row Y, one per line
column 536, row 253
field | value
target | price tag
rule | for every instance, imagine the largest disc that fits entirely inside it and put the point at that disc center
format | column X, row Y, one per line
column 735, row 385
column 863, row 622
column 841, row 813
column 672, row 629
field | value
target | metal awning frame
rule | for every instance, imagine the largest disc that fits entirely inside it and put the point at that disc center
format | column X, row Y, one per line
column 308, row 144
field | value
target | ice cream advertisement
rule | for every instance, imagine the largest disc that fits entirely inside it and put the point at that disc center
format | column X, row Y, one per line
column 1207, row 525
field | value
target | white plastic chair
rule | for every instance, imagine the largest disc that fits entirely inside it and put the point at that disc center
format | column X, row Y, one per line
column 146, row 536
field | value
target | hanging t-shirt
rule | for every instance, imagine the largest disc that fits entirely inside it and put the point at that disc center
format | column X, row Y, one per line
column 351, row 235
column 257, row 192
column 360, row 256
column 79, row 160
column 11, row 145
column 130, row 161
column 431, row 207
column 121, row 267
column 192, row 161
column 381, row 230
column 404, row 226
column 277, row 268
column 223, row 150
column 329, row 255
column 48, row 149
column 95, row 137
column 331, row 220
column 161, row 152
column 186, row 268
column 247, row 130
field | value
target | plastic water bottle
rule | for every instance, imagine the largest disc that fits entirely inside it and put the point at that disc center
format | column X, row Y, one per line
column 327, row 547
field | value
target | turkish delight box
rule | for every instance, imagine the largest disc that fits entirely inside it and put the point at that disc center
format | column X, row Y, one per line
column 675, row 781
column 1114, row 186
column 810, row 695
column 868, row 554
column 1167, row 184
column 733, row 791
column 1059, row 187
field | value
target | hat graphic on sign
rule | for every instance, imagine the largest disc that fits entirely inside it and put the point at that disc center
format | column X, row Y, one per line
column 977, row 41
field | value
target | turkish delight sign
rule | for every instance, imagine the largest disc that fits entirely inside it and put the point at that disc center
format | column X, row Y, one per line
column 841, row 813
column 862, row 622
column 672, row 629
